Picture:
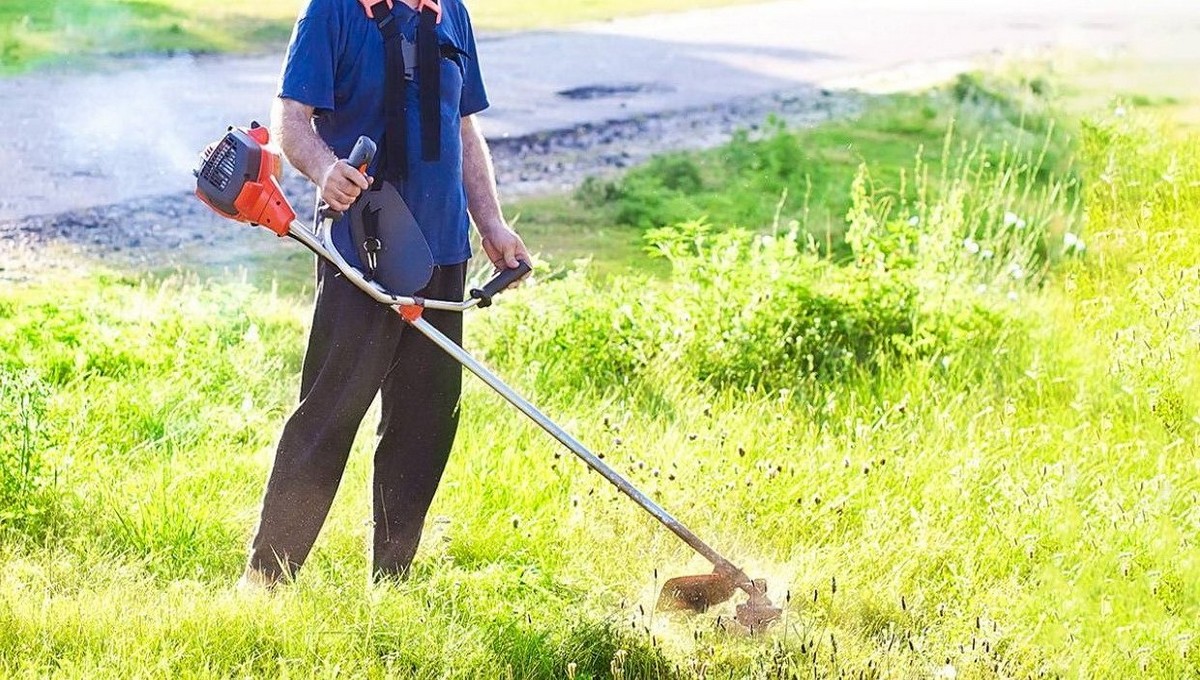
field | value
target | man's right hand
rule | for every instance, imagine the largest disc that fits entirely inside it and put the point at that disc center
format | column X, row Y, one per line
column 341, row 185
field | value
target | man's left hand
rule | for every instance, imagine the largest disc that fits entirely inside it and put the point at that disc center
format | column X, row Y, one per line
column 504, row 247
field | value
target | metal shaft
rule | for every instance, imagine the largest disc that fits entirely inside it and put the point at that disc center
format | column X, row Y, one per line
column 722, row 565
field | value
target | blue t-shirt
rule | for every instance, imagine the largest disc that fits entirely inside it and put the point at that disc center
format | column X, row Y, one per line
column 335, row 64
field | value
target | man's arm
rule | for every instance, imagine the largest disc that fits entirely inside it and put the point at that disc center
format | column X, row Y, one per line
column 502, row 245
column 292, row 126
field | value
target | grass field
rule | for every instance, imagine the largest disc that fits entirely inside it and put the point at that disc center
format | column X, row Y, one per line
column 958, row 433
column 39, row 31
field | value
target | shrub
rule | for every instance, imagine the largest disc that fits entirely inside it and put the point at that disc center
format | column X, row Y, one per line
column 740, row 311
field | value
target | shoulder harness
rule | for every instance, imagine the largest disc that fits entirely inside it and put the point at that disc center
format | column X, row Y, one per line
column 393, row 162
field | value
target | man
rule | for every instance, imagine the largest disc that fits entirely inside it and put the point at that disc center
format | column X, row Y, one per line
column 334, row 87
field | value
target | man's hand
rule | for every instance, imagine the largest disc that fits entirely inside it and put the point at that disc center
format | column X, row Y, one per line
column 502, row 245
column 292, row 126
column 504, row 248
column 342, row 184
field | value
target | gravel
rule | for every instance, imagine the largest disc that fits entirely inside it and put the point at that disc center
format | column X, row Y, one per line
column 176, row 230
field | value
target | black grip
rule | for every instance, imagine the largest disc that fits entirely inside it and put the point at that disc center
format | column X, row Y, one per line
column 362, row 154
column 499, row 282
column 360, row 158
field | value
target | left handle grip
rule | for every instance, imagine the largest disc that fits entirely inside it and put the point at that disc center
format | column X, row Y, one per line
column 360, row 159
column 501, row 281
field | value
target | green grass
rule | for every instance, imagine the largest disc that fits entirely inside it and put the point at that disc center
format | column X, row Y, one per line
column 39, row 31
column 33, row 31
column 777, row 175
column 941, row 463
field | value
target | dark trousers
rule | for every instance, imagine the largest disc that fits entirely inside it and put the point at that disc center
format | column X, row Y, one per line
column 358, row 348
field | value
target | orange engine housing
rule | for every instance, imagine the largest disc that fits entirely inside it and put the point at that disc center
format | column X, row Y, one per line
column 239, row 178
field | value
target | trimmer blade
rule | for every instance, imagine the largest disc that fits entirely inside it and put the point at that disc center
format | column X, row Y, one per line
column 696, row 593
column 757, row 616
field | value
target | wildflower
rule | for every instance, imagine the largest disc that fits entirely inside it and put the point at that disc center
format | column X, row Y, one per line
column 1011, row 219
column 971, row 246
column 1071, row 242
column 1015, row 271
column 986, row 253
column 914, row 220
column 1012, row 296
column 981, row 288
column 1119, row 112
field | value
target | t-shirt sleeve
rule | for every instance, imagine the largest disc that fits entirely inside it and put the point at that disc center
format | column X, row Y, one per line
column 308, row 71
column 474, row 96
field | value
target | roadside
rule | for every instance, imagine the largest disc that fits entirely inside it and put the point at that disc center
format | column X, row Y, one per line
column 112, row 179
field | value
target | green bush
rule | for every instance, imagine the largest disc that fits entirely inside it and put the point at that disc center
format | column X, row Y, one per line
column 740, row 311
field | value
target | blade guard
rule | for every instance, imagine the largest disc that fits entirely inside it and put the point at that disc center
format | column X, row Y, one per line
column 238, row 178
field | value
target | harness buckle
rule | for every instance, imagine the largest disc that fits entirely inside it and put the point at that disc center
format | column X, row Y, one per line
column 369, row 6
column 431, row 5
column 372, row 246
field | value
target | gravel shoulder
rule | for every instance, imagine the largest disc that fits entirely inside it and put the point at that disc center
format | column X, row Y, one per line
column 162, row 231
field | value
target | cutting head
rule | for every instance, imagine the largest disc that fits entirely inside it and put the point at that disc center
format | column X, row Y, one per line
column 698, row 593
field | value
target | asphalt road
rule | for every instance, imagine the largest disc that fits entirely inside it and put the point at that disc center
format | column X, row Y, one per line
column 132, row 127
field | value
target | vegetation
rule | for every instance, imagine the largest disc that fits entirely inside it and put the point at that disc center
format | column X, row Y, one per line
column 958, row 434
column 36, row 31
column 778, row 175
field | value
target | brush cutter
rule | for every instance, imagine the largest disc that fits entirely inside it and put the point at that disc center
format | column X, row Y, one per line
column 237, row 178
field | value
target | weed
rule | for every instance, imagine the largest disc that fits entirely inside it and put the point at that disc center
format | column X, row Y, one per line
column 27, row 493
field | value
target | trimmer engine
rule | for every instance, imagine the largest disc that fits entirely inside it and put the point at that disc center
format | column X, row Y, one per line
column 239, row 178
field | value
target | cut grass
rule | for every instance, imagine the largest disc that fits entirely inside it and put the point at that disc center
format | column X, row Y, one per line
column 40, row 31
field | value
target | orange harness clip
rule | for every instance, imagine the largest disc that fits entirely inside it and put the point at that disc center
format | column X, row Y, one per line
column 422, row 5
column 432, row 5
column 369, row 4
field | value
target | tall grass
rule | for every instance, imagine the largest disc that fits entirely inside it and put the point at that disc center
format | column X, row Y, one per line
column 947, row 464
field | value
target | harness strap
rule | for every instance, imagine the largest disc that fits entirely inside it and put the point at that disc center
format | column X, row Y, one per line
column 393, row 164
column 430, row 75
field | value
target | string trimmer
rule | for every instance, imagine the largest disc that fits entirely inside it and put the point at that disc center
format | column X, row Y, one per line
column 237, row 177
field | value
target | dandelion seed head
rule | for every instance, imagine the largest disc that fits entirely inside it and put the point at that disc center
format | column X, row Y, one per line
column 1010, row 218
column 971, row 246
